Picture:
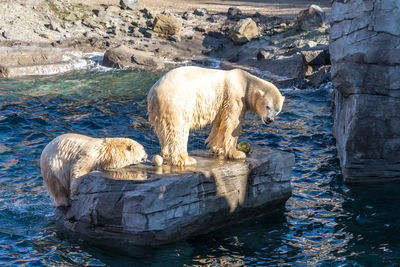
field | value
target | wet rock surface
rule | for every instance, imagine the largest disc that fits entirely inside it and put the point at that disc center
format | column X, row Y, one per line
column 147, row 205
column 365, row 58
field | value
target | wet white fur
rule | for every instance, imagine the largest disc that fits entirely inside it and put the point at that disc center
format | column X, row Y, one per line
column 191, row 97
column 70, row 156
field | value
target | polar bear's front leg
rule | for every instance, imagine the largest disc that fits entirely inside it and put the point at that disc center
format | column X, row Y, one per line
column 230, row 147
column 215, row 140
column 82, row 167
column 174, row 146
column 75, row 182
column 232, row 127
column 56, row 189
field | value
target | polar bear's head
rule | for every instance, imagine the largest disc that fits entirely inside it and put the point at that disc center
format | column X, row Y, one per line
column 121, row 152
column 135, row 152
column 269, row 102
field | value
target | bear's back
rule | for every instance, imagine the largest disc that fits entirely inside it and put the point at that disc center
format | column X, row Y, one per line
column 66, row 149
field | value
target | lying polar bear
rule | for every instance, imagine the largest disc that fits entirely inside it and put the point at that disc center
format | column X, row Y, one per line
column 70, row 156
column 191, row 97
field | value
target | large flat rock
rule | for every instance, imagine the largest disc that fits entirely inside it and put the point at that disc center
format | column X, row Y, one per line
column 146, row 205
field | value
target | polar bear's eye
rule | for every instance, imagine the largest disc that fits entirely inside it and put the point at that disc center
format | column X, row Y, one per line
column 268, row 108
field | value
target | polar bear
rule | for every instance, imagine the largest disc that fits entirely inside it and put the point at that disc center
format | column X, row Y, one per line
column 192, row 97
column 70, row 156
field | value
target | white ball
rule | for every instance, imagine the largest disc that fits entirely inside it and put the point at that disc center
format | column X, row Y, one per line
column 157, row 160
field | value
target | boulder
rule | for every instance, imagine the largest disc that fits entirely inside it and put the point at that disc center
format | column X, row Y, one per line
column 147, row 14
column 310, row 18
column 166, row 25
column 200, row 12
column 187, row 16
column 294, row 67
column 234, row 13
column 244, row 31
column 147, row 60
column 316, row 57
column 365, row 55
column 118, row 57
column 122, row 57
column 129, row 4
column 265, row 54
column 146, row 205
column 320, row 76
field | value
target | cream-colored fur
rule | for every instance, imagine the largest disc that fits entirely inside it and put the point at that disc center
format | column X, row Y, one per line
column 70, row 156
column 192, row 97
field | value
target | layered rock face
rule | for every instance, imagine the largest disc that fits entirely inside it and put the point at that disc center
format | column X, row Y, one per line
column 147, row 205
column 365, row 55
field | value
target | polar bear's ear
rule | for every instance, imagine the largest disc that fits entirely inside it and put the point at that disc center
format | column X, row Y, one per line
column 130, row 147
column 283, row 98
column 260, row 92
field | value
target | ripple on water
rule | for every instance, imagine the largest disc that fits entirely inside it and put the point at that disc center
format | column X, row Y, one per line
column 324, row 222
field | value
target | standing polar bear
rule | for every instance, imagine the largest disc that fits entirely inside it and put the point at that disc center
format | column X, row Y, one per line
column 191, row 97
column 70, row 156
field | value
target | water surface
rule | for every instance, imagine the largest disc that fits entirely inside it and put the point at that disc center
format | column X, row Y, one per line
column 323, row 223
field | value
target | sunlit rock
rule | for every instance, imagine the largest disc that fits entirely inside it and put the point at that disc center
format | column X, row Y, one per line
column 148, row 205
column 166, row 25
column 244, row 31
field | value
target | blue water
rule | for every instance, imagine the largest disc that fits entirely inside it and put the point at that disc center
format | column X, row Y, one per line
column 324, row 223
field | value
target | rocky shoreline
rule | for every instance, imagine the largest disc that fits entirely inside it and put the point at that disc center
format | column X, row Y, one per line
column 47, row 37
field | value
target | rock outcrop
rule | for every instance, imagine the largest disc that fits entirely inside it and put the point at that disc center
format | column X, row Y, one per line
column 310, row 18
column 244, row 31
column 365, row 55
column 146, row 205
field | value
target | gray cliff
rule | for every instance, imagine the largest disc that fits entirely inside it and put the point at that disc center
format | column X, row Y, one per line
column 145, row 205
column 365, row 56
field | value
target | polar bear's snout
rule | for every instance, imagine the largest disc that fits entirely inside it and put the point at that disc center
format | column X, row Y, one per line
column 269, row 116
column 268, row 120
column 144, row 157
column 139, row 155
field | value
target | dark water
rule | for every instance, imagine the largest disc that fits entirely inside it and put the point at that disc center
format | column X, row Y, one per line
column 324, row 222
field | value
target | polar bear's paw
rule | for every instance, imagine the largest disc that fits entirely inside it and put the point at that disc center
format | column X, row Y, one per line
column 183, row 160
column 217, row 150
column 236, row 154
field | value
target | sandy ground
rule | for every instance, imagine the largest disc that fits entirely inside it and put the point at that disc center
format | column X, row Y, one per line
column 284, row 8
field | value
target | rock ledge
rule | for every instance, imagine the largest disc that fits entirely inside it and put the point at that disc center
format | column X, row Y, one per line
column 145, row 205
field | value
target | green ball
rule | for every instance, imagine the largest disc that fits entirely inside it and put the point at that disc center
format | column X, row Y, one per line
column 244, row 147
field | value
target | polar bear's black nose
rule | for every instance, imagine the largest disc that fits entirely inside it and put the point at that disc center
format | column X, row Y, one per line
column 268, row 120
